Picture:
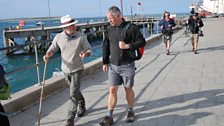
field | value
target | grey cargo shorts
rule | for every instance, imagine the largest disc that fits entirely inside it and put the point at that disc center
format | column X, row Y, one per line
column 123, row 74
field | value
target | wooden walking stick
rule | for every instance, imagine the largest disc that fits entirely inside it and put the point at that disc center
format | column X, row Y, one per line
column 42, row 91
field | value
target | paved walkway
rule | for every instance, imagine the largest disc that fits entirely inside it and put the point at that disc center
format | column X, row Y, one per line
column 182, row 89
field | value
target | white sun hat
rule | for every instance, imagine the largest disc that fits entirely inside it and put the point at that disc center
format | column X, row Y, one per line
column 67, row 20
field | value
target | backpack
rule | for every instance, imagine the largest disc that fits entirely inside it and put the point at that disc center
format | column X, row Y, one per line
column 4, row 85
column 133, row 54
column 5, row 91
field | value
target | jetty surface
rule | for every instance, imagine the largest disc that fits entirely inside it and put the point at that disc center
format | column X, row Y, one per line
column 181, row 89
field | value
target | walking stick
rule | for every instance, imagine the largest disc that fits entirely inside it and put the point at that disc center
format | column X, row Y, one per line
column 42, row 91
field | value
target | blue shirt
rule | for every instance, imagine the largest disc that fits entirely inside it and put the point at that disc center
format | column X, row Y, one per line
column 167, row 24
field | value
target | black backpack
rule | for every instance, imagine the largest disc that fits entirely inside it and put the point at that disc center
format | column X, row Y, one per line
column 133, row 54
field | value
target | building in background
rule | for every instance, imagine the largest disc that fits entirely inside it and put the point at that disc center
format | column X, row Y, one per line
column 208, row 7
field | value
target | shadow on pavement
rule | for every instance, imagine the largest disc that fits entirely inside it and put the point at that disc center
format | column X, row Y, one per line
column 165, row 116
column 209, row 49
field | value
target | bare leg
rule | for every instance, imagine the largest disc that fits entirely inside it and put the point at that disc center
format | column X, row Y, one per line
column 168, row 47
column 130, row 96
column 195, row 47
column 111, row 103
column 112, row 99
column 192, row 43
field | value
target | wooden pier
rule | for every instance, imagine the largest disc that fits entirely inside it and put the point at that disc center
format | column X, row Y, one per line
column 42, row 36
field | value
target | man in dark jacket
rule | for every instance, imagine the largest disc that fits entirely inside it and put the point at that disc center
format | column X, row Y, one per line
column 166, row 25
column 117, row 62
column 195, row 23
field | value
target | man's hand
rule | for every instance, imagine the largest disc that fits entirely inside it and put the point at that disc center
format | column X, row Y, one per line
column 161, row 27
column 123, row 45
column 105, row 67
column 47, row 56
column 82, row 55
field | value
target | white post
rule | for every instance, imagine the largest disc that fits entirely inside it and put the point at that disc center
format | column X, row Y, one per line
column 121, row 8
column 49, row 12
column 37, row 62
column 151, row 26
column 143, row 29
column 157, row 26
column 100, row 9
column 137, row 9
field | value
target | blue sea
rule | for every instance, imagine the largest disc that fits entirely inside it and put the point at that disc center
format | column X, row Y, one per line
column 26, row 78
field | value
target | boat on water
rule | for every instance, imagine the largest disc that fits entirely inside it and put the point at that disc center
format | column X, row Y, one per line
column 208, row 8
column 40, row 23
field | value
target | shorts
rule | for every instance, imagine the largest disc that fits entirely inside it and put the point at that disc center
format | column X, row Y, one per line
column 123, row 74
column 167, row 38
column 194, row 37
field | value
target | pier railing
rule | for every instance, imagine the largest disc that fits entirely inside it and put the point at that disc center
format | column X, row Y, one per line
column 92, row 30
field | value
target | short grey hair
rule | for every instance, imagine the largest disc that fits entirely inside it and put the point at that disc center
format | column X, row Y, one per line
column 115, row 11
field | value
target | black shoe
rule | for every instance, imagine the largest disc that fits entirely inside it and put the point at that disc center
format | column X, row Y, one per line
column 70, row 122
column 107, row 121
column 195, row 52
column 81, row 110
column 130, row 117
column 168, row 53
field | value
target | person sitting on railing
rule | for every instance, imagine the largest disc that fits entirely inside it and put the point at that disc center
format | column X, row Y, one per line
column 166, row 25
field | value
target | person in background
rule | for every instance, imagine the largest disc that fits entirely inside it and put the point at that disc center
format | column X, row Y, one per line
column 192, row 11
column 4, row 121
column 118, row 64
column 195, row 23
column 74, row 46
column 166, row 25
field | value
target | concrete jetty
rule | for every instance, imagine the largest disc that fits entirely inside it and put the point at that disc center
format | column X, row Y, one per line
column 182, row 89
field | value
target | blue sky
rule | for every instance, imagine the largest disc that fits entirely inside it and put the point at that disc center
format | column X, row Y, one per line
column 86, row 8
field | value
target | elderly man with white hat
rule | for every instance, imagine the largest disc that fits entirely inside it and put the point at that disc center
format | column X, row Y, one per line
column 74, row 46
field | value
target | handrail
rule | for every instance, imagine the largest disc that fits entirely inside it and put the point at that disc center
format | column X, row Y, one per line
column 27, row 67
column 24, row 45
